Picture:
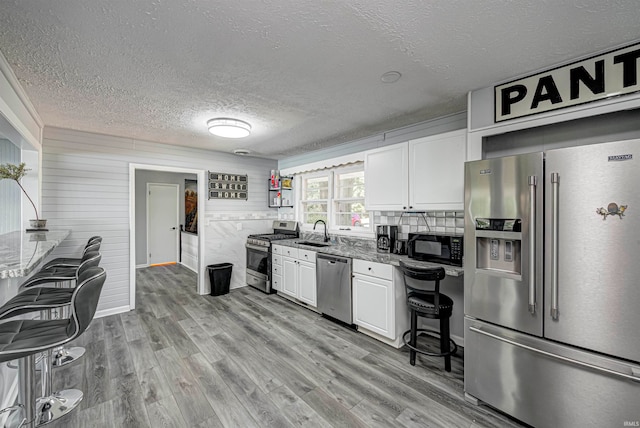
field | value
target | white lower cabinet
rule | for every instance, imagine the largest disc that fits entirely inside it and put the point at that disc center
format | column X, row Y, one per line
column 289, row 276
column 298, row 276
column 379, row 301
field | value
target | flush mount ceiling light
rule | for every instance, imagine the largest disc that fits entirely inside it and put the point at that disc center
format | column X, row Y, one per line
column 391, row 77
column 229, row 128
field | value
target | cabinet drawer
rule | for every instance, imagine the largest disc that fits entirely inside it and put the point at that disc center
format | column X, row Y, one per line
column 307, row 256
column 276, row 249
column 276, row 281
column 289, row 252
column 276, row 260
column 276, row 270
column 378, row 270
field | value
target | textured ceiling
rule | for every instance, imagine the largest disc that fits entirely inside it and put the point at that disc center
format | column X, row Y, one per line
column 304, row 73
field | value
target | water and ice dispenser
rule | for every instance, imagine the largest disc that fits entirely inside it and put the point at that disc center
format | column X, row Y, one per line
column 498, row 245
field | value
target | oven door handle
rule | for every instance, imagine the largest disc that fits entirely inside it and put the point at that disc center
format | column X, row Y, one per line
column 257, row 248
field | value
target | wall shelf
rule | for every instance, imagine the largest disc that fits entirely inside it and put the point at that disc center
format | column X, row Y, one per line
column 281, row 196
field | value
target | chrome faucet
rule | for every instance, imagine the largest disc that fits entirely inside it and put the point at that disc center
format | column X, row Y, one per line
column 326, row 237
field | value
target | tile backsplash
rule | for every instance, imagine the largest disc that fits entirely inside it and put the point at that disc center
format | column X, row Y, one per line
column 433, row 221
column 430, row 221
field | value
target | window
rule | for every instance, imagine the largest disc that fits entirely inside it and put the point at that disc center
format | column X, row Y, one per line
column 315, row 198
column 335, row 196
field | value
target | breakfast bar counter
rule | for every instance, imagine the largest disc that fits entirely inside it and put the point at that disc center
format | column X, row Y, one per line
column 21, row 252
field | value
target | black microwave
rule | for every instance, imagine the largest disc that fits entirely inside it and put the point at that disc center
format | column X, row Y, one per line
column 437, row 248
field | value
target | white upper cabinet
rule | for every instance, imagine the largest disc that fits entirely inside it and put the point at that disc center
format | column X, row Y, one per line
column 422, row 174
column 385, row 178
column 436, row 171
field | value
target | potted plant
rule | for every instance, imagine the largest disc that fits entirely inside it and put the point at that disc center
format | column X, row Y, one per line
column 15, row 173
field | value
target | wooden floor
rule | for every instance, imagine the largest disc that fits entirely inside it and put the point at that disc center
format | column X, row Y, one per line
column 247, row 359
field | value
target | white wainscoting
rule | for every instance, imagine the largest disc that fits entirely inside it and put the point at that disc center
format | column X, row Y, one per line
column 85, row 188
column 189, row 245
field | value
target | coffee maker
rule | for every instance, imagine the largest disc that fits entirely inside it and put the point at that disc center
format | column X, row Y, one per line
column 386, row 238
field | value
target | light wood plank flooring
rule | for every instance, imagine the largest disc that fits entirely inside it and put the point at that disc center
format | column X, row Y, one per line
column 247, row 359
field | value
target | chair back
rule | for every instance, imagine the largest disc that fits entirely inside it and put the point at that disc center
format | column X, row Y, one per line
column 84, row 300
column 93, row 240
column 90, row 259
column 95, row 246
column 423, row 278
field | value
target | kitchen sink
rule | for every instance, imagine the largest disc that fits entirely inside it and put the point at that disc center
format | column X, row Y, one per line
column 313, row 243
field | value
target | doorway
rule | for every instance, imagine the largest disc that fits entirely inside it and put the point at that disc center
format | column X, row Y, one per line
column 162, row 223
column 200, row 175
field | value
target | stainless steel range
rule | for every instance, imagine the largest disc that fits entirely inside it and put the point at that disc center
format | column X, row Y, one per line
column 259, row 253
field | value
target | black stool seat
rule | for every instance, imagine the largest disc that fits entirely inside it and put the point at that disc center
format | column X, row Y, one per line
column 424, row 299
column 425, row 304
column 36, row 299
column 30, row 336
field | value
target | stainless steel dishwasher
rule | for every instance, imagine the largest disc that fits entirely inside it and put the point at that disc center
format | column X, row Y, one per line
column 333, row 275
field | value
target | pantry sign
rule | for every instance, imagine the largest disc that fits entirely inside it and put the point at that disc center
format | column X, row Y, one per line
column 607, row 75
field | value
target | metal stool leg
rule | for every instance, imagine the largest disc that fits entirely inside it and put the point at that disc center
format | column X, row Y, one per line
column 63, row 356
column 414, row 337
column 444, row 342
column 26, row 393
column 51, row 406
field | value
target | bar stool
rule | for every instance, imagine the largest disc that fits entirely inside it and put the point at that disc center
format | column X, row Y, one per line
column 44, row 300
column 25, row 338
column 43, row 278
column 93, row 244
column 427, row 301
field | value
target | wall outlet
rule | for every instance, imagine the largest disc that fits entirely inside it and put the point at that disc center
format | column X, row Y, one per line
column 238, row 226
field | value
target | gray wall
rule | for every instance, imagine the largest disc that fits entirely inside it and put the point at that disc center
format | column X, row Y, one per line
column 617, row 126
column 142, row 178
column 10, row 193
column 85, row 188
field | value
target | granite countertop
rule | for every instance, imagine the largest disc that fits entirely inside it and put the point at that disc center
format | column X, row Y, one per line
column 21, row 252
column 364, row 252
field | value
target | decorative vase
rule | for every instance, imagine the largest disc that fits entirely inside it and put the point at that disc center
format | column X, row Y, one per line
column 38, row 224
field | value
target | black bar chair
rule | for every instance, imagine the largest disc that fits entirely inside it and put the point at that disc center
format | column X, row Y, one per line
column 425, row 300
column 24, row 338
column 59, row 276
column 93, row 244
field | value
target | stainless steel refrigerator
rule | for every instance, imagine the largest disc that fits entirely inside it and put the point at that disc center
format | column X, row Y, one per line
column 552, row 285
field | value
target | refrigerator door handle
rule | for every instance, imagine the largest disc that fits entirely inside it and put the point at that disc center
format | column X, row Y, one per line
column 555, row 179
column 632, row 377
column 533, row 181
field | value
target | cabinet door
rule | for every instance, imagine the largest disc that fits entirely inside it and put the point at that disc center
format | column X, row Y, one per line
column 373, row 302
column 276, row 282
column 307, row 283
column 289, row 277
column 385, row 178
column 436, row 171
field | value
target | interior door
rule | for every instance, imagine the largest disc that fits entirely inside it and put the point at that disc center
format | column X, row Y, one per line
column 162, row 223
column 591, row 298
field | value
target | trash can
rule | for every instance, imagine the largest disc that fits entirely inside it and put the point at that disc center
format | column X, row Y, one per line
column 220, row 278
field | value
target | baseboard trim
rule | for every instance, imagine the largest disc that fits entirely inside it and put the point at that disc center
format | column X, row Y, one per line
column 112, row 311
column 188, row 267
column 142, row 266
